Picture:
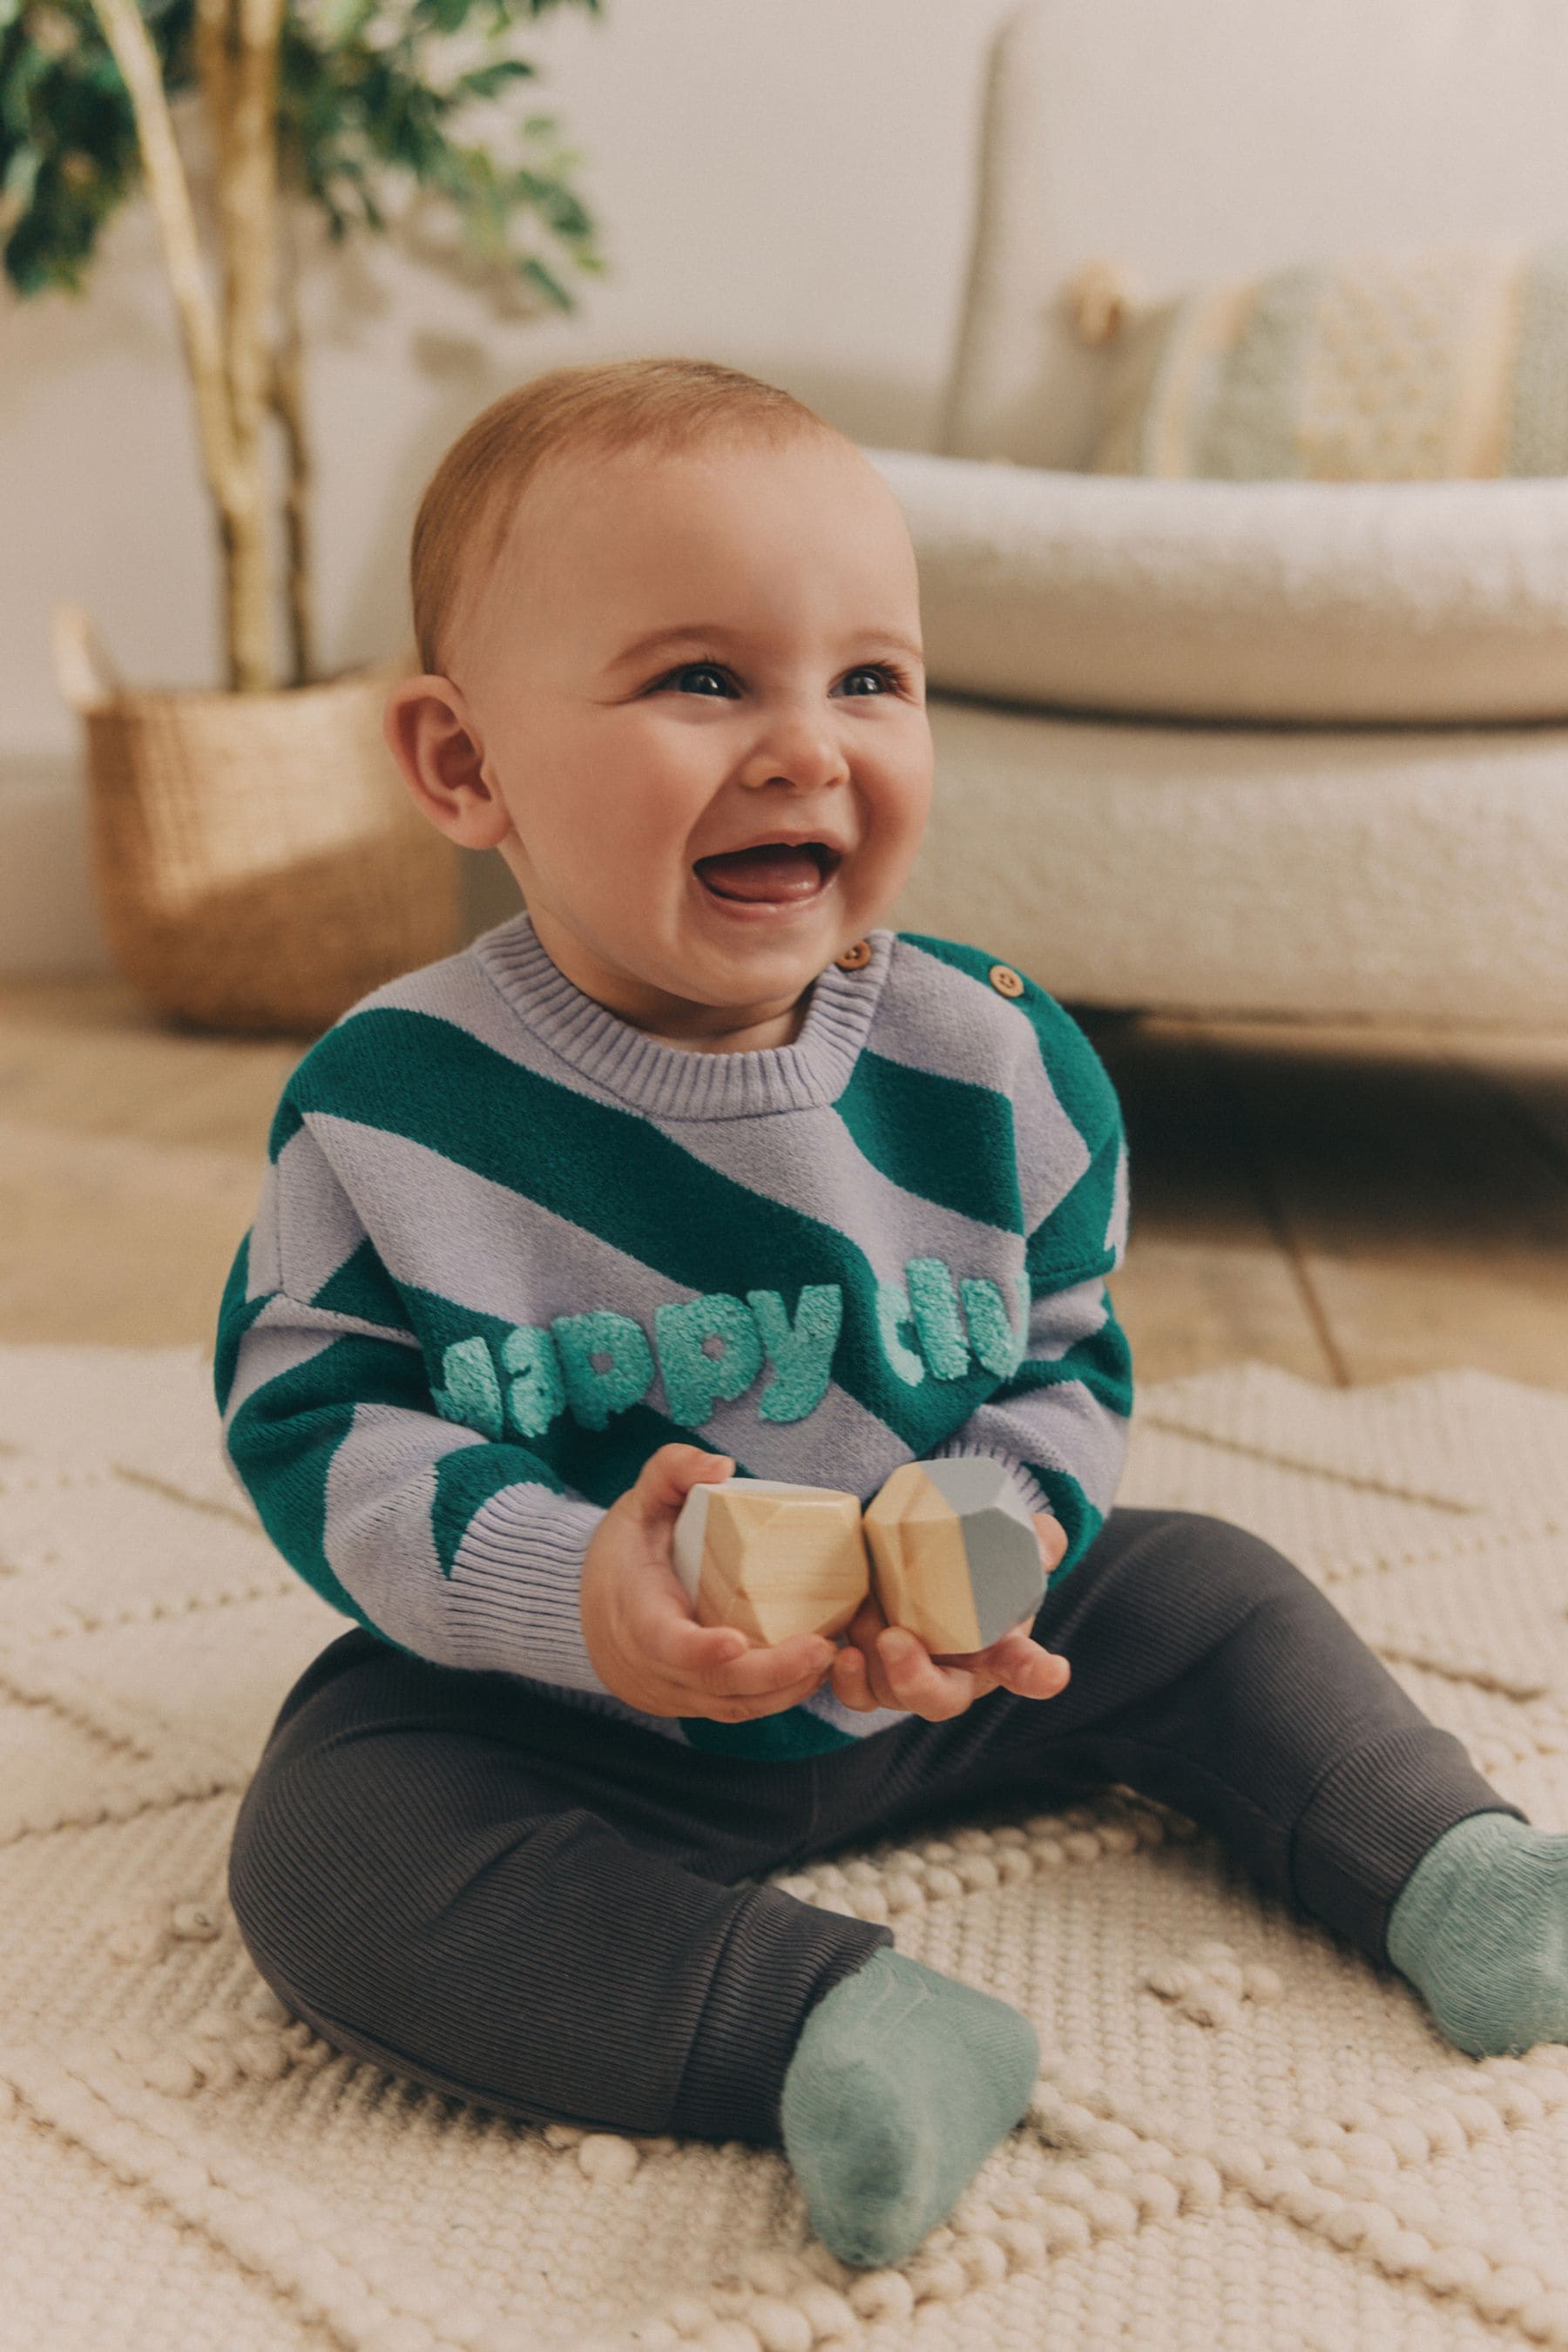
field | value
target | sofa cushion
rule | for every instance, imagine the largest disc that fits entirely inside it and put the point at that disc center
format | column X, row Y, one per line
column 1383, row 874
column 1206, row 141
column 1332, row 603
column 1377, row 368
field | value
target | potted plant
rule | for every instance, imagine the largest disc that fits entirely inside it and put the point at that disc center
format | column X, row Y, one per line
column 256, row 861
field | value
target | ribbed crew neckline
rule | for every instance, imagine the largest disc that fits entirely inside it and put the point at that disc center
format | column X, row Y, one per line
column 672, row 1081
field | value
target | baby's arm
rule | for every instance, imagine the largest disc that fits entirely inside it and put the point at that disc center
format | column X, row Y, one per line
column 462, row 1550
column 1059, row 1421
column 460, row 1547
column 1060, row 1425
column 1061, row 1416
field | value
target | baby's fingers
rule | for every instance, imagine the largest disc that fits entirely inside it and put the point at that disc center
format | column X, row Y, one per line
column 720, row 1661
column 766, row 1668
column 1026, row 1668
column 690, row 1651
column 856, row 1685
column 916, row 1681
column 1053, row 1540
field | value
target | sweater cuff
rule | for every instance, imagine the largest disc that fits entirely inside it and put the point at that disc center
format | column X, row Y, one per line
column 1028, row 1485
column 515, row 1588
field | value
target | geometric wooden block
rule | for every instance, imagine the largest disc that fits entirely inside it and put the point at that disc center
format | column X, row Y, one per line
column 774, row 1558
column 954, row 1554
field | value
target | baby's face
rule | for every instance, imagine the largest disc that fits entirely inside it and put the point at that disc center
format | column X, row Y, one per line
column 698, row 686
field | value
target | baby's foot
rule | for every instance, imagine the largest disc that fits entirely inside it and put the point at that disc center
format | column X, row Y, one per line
column 1480, row 1929
column 902, row 2084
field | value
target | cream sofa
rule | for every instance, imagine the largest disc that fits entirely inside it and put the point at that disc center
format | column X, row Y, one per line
column 1244, row 748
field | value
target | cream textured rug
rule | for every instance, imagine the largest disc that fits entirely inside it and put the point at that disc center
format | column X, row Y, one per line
column 1244, row 2137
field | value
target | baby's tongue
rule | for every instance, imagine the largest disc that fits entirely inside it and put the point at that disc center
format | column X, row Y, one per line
column 769, row 871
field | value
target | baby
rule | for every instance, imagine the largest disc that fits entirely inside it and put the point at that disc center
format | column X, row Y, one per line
column 694, row 1168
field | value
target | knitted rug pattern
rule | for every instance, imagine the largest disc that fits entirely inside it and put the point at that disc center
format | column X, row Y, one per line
column 1244, row 2134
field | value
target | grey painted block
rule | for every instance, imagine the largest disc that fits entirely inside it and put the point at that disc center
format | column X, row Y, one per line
column 954, row 1553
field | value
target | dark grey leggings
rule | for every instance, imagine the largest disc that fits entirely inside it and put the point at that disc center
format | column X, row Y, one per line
column 556, row 1913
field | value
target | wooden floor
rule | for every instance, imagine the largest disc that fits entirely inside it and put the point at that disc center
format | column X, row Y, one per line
column 1356, row 1205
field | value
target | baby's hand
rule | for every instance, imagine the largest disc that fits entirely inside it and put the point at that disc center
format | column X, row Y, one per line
column 883, row 1666
column 638, row 1626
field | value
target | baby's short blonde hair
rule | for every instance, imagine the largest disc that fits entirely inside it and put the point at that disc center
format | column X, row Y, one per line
column 598, row 409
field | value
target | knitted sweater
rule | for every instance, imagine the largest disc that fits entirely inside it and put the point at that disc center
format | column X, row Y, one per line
column 506, row 1245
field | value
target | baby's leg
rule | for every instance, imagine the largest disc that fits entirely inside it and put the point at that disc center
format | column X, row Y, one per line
column 492, row 1915
column 533, row 1906
column 1401, row 1841
column 1208, row 1671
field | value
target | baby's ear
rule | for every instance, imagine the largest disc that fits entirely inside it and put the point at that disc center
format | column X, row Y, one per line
column 429, row 733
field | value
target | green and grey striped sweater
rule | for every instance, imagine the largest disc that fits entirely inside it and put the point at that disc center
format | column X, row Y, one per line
column 507, row 1245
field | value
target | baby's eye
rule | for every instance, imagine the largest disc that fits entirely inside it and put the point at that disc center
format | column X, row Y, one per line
column 888, row 678
column 699, row 669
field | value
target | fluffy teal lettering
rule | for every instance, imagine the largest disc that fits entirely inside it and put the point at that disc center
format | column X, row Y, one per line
column 892, row 1310
column 694, row 1379
column 538, row 1392
column 801, row 1353
column 935, row 1303
column 709, row 1349
column 594, row 1391
column 991, row 1334
column 472, row 1392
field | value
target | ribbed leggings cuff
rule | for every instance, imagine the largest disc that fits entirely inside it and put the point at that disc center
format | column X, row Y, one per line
column 1352, row 1851
column 779, row 1957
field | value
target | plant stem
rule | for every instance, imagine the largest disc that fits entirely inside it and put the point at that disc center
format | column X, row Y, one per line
column 170, row 194
column 239, row 50
column 289, row 403
column 212, row 68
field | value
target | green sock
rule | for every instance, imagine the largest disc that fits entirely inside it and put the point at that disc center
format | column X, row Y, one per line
column 902, row 2084
column 1480, row 1929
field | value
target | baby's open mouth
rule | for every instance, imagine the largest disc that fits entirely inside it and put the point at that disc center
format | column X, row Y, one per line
column 769, row 870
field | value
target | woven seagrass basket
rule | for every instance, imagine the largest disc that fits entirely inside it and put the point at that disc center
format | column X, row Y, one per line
column 257, row 861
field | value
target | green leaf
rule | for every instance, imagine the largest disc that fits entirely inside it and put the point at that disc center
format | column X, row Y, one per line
column 535, row 272
column 443, row 15
column 369, row 100
column 485, row 80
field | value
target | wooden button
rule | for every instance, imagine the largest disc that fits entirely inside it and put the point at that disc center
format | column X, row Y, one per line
column 1006, row 980
column 857, row 958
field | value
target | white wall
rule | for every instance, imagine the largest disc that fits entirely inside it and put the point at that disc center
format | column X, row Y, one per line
column 784, row 185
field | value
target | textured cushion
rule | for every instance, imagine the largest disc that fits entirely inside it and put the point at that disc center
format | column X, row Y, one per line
column 1373, row 369
column 1218, row 139
column 1338, row 603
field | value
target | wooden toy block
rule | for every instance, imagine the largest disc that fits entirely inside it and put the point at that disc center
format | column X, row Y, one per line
column 954, row 1553
column 773, row 1558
